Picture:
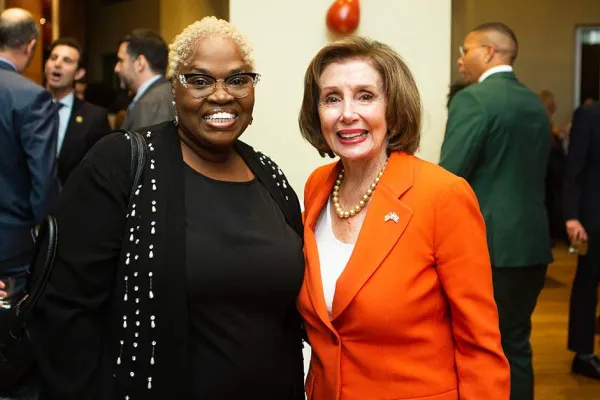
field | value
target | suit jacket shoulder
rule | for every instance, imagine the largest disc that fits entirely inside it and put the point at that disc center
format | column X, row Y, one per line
column 158, row 91
column 18, row 90
column 153, row 107
column 316, row 180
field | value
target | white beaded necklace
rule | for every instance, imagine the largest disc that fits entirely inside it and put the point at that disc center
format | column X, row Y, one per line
column 361, row 204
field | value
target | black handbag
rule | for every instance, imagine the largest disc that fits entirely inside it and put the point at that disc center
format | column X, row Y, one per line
column 16, row 356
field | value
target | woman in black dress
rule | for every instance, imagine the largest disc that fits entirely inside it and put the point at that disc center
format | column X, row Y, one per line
column 190, row 293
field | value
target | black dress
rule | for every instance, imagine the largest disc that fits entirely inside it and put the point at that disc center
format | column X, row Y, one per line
column 131, row 312
column 244, row 270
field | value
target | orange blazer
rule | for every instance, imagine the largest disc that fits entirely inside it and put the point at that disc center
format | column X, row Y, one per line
column 413, row 313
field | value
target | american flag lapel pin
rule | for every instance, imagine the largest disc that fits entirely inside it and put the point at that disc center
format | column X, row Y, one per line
column 391, row 216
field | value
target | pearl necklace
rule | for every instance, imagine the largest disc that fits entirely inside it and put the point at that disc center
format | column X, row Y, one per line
column 361, row 204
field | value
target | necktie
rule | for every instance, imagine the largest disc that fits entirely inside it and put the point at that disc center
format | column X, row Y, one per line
column 63, row 120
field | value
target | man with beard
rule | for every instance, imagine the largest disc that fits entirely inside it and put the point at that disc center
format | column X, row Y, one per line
column 141, row 65
column 81, row 124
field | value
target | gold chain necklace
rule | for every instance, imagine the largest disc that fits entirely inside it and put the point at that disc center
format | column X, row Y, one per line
column 361, row 204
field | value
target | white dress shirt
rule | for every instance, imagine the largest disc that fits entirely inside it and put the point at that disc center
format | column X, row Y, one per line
column 64, row 114
column 333, row 255
column 495, row 70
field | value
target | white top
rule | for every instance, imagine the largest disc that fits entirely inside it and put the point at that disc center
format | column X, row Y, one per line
column 64, row 114
column 333, row 254
column 495, row 70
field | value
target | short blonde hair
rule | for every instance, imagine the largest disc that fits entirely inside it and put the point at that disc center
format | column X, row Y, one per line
column 182, row 48
column 404, row 109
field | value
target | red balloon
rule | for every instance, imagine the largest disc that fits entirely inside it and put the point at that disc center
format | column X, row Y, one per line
column 343, row 16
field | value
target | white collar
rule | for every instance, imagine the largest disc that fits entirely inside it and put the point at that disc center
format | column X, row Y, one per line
column 7, row 61
column 495, row 70
column 68, row 100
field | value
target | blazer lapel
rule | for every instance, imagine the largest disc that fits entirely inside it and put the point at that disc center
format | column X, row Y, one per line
column 314, row 283
column 379, row 233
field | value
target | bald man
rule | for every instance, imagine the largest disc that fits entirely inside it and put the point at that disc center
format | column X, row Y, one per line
column 28, row 134
column 498, row 139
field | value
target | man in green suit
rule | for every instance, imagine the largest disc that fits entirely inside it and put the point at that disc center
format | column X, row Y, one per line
column 498, row 139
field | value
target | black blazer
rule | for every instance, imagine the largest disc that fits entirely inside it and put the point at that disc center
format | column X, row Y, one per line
column 84, row 330
column 88, row 123
column 582, row 178
column 28, row 133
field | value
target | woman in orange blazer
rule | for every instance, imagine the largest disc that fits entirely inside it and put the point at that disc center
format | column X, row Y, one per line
column 397, row 298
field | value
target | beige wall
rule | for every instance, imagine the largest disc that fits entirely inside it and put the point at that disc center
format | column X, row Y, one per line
column 546, row 32
column 175, row 15
column 286, row 39
column 107, row 24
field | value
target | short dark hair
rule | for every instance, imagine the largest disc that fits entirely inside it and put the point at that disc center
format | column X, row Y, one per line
column 403, row 112
column 70, row 42
column 14, row 34
column 502, row 28
column 147, row 43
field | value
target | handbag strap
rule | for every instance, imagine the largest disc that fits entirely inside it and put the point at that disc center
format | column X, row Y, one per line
column 37, row 281
column 139, row 153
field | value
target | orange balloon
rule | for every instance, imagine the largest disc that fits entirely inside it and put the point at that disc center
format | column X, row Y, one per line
column 343, row 16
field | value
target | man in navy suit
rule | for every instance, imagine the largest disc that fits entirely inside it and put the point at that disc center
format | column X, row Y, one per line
column 582, row 214
column 28, row 130
column 81, row 124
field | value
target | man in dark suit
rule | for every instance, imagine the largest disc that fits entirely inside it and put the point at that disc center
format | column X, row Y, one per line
column 582, row 213
column 81, row 124
column 498, row 139
column 141, row 66
column 28, row 128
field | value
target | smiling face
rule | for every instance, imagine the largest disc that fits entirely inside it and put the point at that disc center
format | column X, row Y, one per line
column 61, row 68
column 217, row 120
column 352, row 110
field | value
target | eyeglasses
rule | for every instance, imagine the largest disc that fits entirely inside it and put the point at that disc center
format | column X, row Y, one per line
column 463, row 51
column 201, row 85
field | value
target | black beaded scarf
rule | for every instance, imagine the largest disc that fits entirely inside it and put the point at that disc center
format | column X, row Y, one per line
column 147, row 344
